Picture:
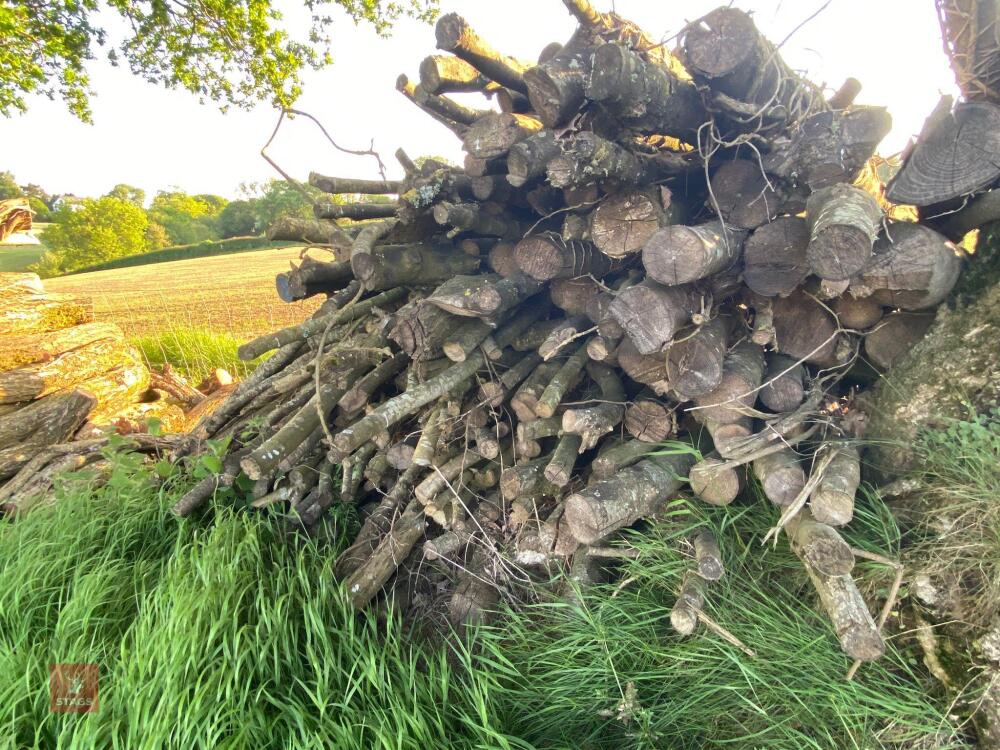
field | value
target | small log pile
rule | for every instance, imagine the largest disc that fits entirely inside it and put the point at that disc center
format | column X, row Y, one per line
column 65, row 383
column 15, row 217
column 642, row 246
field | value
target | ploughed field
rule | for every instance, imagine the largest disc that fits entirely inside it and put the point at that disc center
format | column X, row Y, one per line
column 231, row 294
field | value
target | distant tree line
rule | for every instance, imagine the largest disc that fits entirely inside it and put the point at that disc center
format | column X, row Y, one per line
column 87, row 231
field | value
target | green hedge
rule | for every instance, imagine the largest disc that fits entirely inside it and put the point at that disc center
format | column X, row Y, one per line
column 204, row 249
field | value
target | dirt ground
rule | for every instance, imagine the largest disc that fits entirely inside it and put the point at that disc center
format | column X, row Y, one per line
column 224, row 294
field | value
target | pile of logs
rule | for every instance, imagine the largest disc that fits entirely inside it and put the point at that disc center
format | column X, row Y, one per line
column 643, row 248
column 65, row 383
column 15, row 218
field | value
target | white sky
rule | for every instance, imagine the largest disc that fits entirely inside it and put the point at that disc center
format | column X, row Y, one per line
column 155, row 138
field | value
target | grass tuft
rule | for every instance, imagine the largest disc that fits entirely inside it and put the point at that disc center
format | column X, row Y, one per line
column 194, row 352
column 958, row 531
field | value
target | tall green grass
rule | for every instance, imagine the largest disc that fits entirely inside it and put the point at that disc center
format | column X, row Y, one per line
column 208, row 636
column 609, row 672
column 194, row 352
column 223, row 632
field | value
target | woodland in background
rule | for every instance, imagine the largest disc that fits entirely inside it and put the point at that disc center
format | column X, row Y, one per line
column 88, row 231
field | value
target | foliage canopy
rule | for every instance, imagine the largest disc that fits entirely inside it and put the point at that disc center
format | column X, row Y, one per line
column 96, row 230
column 186, row 218
column 236, row 52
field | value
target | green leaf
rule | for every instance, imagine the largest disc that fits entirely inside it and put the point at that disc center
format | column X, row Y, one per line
column 212, row 463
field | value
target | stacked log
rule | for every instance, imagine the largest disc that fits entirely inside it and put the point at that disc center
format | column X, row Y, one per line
column 66, row 382
column 499, row 364
column 15, row 217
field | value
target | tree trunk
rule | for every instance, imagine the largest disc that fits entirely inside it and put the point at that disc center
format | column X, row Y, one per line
column 560, row 467
column 774, row 256
column 843, row 223
column 562, row 381
column 646, row 97
column 312, row 277
column 368, row 579
column 417, row 265
column 307, row 231
column 448, row 108
column 47, row 421
column 556, row 86
column 528, row 159
column 624, row 222
column 785, row 383
column 589, row 158
column 314, row 326
column 914, row 268
column 495, row 392
column 728, row 437
column 859, row 637
column 636, row 492
column 742, row 372
column 484, row 296
column 24, row 349
column 524, row 401
column 651, row 314
column 832, row 500
column 526, row 480
column 117, row 388
column 501, row 259
column 456, row 36
column 592, row 423
column 494, row 134
column 647, row 369
column 805, row 330
column 407, row 88
column 354, row 400
column 573, row 296
column 715, row 483
column 547, row 256
column 24, row 312
column 351, row 185
column 895, row 336
column 445, row 74
column 650, row 420
column 421, row 330
column 781, row 476
column 355, row 211
column 957, row 153
column 616, row 455
column 679, row 254
column 828, row 147
column 62, row 371
column 819, row 545
column 690, row 601
column 467, row 217
column 695, row 359
column 743, row 195
column 857, row 313
column 707, row 555
column 464, row 339
column 725, row 50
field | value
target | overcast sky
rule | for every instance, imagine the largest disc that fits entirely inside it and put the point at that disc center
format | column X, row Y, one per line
column 155, row 138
